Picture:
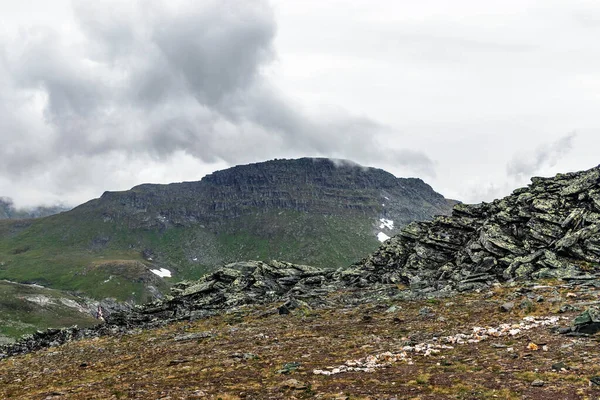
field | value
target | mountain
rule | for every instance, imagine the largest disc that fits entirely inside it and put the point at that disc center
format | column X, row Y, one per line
column 548, row 230
column 8, row 210
column 131, row 244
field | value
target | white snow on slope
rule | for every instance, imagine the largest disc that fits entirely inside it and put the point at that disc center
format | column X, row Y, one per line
column 40, row 299
column 386, row 223
column 382, row 237
column 163, row 272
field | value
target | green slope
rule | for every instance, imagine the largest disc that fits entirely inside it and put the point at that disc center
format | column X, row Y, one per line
column 27, row 308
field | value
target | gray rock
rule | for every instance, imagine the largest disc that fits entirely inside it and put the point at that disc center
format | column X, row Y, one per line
column 294, row 384
column 587, row 322
column 426, row 312
column 595, row 380
column 559, row 366
column 289, row 367
column 507, row 306
column 526, row 304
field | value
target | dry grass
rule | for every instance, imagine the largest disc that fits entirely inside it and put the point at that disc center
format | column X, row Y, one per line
column 152, row 365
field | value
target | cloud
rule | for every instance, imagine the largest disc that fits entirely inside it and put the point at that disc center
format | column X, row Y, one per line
column 155, row 80
column 528, row 164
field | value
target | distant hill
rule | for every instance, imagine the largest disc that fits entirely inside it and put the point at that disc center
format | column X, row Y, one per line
column 8, row 210
column 27, row 308
column 128, row 244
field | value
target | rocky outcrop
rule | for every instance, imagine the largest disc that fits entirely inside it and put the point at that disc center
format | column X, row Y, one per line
column 549, row 229
column 234, row 285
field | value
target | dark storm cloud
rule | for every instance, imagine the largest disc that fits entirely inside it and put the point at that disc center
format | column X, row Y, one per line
column 154, row 80
column 218, row 51
column 528, row 164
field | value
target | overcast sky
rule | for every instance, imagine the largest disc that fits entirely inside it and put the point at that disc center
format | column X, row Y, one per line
column 474, row 97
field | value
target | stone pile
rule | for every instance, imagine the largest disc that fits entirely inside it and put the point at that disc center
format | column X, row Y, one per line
column 234, row 285
column 550, row 229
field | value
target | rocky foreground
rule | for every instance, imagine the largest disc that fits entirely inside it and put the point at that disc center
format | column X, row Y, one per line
column 504, row 342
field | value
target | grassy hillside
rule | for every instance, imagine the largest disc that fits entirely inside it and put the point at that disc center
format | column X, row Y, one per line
column 27, row 308
column 50, row 253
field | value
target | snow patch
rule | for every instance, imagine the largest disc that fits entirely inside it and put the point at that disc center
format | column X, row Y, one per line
column 35, row 285
column 163, row 272
column 382, row 237
column 72, row 304
column 386, row 223
column 40, row 299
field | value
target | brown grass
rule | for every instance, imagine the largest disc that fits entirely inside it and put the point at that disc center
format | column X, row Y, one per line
column 151, row 365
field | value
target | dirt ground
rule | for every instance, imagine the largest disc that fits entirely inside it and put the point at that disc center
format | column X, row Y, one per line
column 247, row 355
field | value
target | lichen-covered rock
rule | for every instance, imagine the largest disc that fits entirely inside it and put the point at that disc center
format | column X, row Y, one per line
column 237, row 284
column 550, row 229
column 587, row 322
column 234, row 285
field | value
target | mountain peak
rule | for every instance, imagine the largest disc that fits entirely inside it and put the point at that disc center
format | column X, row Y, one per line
column 316, row 211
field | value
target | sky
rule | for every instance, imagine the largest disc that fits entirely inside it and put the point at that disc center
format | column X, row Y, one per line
column 473, row 97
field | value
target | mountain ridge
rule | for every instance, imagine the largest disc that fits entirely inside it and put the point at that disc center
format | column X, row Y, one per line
column 242, row 182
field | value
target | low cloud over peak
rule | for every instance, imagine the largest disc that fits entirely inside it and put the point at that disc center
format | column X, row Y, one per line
column 526, row 164
column 154, row 81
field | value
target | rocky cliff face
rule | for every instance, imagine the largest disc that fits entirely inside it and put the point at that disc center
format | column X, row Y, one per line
column 304, row 185
column 549, row 229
